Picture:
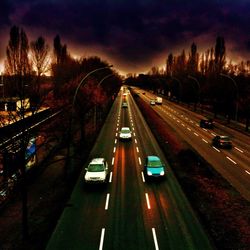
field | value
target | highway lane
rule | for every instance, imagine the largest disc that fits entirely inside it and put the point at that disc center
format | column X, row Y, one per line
column 232, row 164
column 128, row 213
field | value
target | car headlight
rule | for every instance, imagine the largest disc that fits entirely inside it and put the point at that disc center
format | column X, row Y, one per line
column 162, row 173
column 149, row 173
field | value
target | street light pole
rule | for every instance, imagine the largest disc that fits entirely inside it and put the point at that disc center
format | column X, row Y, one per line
column 180, row 86
column 199, row 86
column 71, row 122
column 95, row 113
column 237, row 94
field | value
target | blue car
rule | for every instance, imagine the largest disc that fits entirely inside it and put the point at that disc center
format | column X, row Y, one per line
column 153, row 167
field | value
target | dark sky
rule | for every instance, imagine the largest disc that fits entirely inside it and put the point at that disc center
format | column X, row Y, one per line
column 134, row 35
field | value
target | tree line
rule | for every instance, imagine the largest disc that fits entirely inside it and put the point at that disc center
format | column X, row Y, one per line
column 206, row 79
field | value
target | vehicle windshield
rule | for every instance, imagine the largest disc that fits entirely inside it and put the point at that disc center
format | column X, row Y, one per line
column 154, row 164
column 125, row 131
column 95, row 167
column 225, row 138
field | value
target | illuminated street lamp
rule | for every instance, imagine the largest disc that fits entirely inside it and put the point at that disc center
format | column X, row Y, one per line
column 237, row 94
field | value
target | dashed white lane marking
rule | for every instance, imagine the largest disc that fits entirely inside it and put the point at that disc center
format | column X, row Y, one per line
column 196, row 134
column 114, row 150
column 137, row 149
column 110, row 177
column 147, row 199
column 216, row 149
column 204, row 129
column 213, row 134
column 113, row 160
column 247, row 172
column 231, row 160
column 204, row 140
column 189, row 129
column 115, row 141
column 139, row 158
column 117, row 129
column 238, row 149
column 134, row 134
column 107, row 202
column 183, row 124
column 102, row 239
column 116, row 134
column 155, row 239
column 142, row 176
column 135, row 141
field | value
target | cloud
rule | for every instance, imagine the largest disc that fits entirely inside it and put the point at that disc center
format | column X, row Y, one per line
column 133, row 32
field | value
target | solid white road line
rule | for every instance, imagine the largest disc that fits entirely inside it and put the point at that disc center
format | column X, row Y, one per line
column 147, row 199
column 102, row 239
column 110, row 177
column 231, row 160
column 107, row 202
column 155, row 239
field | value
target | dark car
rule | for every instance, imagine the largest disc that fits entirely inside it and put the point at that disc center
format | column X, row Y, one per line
column 124, row 105
column 206, row 123
column 222, row 141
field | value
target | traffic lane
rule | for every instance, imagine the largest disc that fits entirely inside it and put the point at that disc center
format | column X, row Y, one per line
column 167, row 212
column 81, row 222
column 236, row 155
column 222, row 162
column 125, row 229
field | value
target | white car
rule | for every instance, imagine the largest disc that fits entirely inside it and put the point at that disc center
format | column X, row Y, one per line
column 125, row 133
column 152, row 102
column 97, row 171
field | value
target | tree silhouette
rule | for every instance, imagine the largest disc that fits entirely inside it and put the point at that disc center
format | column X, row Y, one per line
column 220, row 54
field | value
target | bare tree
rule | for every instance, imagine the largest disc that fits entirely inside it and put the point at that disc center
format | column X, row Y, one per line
column 40, row 56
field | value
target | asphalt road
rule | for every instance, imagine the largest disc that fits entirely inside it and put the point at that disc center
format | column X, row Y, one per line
column 128, row 212
column 233, row 164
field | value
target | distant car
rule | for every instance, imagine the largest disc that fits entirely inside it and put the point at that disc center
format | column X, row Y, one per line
column 153, row 167
column 124, row 105
column 206, row 123
column 125, row 133
column 222, row 141
column 152, row 102
column 97, row 171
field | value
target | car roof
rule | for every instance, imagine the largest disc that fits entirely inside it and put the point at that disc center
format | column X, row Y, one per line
column 153, row 158
column 97, row 161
